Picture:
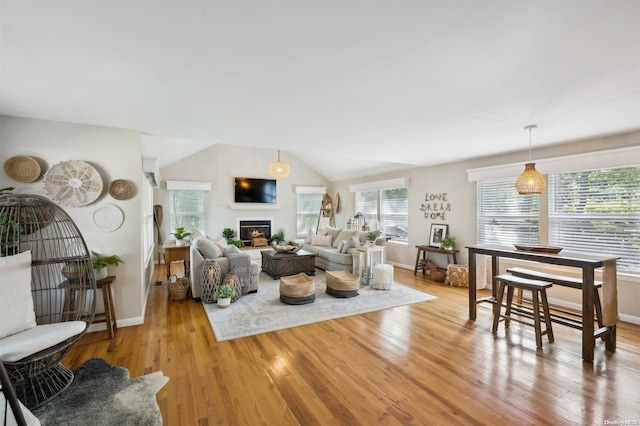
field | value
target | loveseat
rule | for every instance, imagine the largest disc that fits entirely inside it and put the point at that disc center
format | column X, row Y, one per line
column 205, row 248
column 334, row 247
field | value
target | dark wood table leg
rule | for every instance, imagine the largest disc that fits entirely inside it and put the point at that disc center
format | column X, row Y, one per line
column 472, row 284
column 415, row 270
column 588, row 338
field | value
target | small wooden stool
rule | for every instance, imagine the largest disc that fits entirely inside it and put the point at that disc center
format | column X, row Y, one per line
column 536, row 287
column 109, row 315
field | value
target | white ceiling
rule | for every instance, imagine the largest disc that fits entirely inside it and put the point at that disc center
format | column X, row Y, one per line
column 392, row 84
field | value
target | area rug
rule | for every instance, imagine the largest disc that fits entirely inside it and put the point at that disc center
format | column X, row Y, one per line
column 103, row 394
column 263, row 312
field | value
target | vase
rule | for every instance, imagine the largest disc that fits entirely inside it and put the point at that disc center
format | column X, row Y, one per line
column 224, row 303
column 102, row 274
column 181, row 242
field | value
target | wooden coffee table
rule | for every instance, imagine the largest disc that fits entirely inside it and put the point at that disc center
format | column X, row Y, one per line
column 282, row 264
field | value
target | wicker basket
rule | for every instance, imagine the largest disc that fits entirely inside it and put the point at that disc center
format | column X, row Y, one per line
column 179, row 289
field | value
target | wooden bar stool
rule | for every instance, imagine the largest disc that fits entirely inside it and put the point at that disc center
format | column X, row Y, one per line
column 109, row 315
column 537, row 288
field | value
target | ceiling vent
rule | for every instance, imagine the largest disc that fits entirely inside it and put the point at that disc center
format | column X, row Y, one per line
column 151, row 170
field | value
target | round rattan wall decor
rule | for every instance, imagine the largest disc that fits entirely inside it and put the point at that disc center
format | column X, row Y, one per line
column 22, row 168
column 121, row 189
column 73, row 183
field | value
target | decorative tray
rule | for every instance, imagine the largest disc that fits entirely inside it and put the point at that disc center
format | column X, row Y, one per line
column 287, row 249
column 540, row 249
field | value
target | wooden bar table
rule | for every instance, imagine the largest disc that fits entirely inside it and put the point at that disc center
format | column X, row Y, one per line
column 586, row 262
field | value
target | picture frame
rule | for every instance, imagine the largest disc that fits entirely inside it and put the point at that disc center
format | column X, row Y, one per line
column 438, row 232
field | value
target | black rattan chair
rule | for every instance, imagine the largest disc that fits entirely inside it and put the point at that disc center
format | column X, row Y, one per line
column 63, row 290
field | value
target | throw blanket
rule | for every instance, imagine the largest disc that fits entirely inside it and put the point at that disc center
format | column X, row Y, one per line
column 240, row 263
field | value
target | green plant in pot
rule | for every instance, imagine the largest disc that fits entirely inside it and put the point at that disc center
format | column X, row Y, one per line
column 448, row 242
column 223, row 295
column 101, row 262
column 180, row 235
column 229, row 235
column 277, row 238
column 372, row 237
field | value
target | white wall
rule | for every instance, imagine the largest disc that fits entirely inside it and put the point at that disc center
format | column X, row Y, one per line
column 220, row 164
column 115, row 153
column 461, row 194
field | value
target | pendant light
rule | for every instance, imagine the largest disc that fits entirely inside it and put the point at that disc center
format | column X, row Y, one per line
column 279, row 169
column 530, row 181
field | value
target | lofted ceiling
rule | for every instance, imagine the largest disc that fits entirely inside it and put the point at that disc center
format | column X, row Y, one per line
column 381, row 85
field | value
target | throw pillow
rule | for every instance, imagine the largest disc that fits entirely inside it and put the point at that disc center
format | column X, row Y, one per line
column 340, row 246
column 230, row 250
column 207, row 247
column 222, row 243
column 16, row 302
column 334, row 232
column 342, row 236
column 321, row 240
column 307, row 239
column 349, row 244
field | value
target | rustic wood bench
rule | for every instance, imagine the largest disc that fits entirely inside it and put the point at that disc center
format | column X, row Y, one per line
column 536, row 287
column 566, row 282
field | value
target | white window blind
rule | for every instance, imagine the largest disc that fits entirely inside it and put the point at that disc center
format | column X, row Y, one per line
column 597, row 211
column 394, row 213
column 147, row 217
column 504, row 216
column 389, row 207
column 308, row 211
column 188, row 210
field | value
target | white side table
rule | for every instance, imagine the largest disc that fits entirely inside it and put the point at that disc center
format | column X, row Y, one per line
column 363, row 260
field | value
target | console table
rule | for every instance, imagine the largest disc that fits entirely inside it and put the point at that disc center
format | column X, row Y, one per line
column 451, row 254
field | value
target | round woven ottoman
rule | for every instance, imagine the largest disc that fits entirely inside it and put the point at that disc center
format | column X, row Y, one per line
column 297, row 290
column 342, row 284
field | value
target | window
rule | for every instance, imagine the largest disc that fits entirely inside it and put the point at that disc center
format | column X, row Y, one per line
column 147, row 218
column 390, row 207
column 504, row 216
column 597, row 211
column 308, row 211
column 188, row 210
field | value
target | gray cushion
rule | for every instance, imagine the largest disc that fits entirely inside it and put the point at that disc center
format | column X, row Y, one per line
column 334, row 232
column 231, row 250
column 349, row 244
column 207, row 247
column 333, row 256
column 343, row 236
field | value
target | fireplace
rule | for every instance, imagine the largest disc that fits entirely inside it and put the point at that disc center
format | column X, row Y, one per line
column 249, row 228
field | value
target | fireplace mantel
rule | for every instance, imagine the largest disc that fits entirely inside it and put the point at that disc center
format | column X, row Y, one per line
column 253, row 206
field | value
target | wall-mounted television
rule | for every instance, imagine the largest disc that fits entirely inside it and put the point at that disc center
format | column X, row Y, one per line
column 250, row 190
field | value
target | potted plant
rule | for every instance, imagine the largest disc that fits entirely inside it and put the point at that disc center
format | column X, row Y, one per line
column 180, row 235
column 101, row 262
column 277, row 238
column 223, row 295
column 448, row 242
column 229, row 235
column 372, row 237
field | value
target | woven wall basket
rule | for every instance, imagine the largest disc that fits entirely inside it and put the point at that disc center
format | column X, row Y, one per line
column 121, row 189
column 22, row 169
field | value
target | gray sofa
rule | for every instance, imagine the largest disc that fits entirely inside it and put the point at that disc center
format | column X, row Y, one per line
column 328, row 257
column 205, row 248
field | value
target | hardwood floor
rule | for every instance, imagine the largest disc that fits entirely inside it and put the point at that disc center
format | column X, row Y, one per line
column 419, row 364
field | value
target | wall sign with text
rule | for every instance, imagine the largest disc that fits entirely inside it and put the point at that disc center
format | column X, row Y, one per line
column 435, row 206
